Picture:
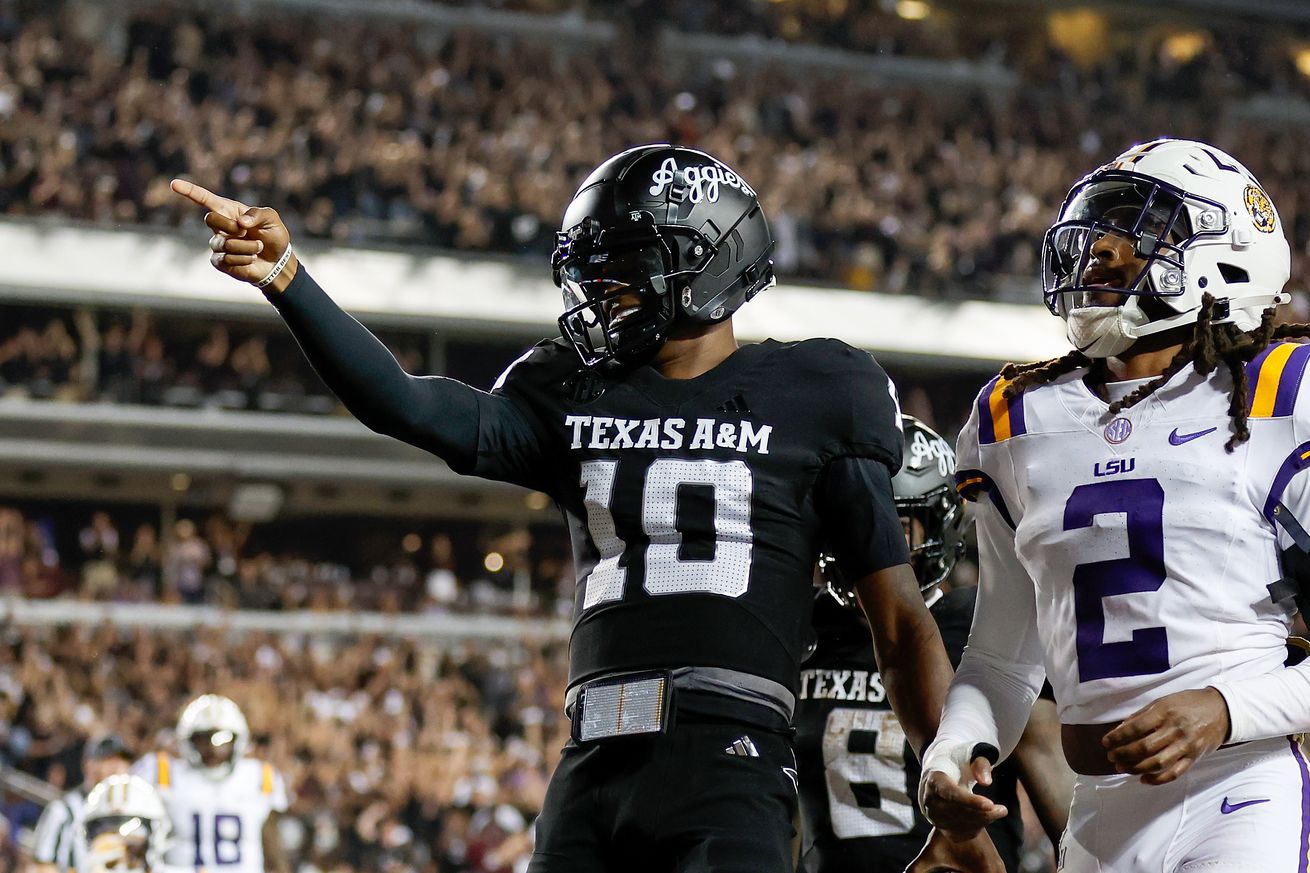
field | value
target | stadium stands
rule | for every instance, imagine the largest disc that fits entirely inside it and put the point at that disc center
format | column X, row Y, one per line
column 441, row 139
column 918, row 158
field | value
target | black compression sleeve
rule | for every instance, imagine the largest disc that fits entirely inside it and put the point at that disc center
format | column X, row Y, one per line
column 431, row 412
column 859, row 517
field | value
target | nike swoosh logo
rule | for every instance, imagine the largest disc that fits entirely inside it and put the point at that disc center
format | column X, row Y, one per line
column 1225, row 808
column 1177, row 439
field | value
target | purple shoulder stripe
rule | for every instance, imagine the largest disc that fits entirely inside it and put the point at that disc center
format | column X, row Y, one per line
column 1289, row 383
column 986, row 425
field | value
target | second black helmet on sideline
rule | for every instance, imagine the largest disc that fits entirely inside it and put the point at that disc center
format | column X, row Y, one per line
column 928, row 503
column 930, row 509
column 657, row 235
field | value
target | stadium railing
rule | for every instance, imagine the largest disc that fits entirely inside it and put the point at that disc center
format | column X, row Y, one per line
column 578, row 30
column 27, row 786
column 433, row 627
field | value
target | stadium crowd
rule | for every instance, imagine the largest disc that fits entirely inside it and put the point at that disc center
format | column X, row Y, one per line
column 365, row 133
column 402, row 756
column 45, row 552
column 112, row 358
column 406, row 756
column 179, row 360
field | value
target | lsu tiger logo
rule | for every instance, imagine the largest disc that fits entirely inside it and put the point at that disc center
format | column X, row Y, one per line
column 1262, row 211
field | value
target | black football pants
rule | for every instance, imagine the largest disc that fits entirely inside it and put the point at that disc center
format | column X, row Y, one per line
column 676, row 802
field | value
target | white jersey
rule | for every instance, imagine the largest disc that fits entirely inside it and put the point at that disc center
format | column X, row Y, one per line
column 1137, row 547
column 217, row 824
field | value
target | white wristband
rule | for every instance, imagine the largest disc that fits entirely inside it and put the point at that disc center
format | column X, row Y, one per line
column 276, row 271
column 949, row 758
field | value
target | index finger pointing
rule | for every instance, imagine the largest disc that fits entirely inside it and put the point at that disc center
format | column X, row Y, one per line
column 204, row 197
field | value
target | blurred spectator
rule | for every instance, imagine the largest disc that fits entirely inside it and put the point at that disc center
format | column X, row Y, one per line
column 12, row 551
column 99, row 543
column 441, row 585
column 186, row 561
column 10, row 857
column 143, row 572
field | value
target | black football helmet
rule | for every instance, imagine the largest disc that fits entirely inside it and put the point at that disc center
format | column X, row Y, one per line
column 932, row 512
column 657, row 235
column 928, row 504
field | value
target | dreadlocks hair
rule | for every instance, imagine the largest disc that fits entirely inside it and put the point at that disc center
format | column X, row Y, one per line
column 1212, row 345
column 1021, row 377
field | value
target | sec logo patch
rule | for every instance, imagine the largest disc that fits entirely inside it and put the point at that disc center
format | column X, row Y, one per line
column 1118, row 430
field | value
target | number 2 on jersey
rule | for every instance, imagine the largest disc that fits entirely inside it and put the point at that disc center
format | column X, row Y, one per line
column 667, row 489
column 1142, row 503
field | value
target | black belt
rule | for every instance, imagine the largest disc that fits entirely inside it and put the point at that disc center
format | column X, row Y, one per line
column 627, row 704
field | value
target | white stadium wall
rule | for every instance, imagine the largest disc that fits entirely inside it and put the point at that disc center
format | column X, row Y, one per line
column 169, row 270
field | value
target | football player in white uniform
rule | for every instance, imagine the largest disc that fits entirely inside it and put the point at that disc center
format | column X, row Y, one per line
column 126, row 828
column 1133, row 499
column 224, row 805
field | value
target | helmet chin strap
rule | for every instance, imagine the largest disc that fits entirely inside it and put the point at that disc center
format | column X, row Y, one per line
column 1109, row 331
column 1104, row 331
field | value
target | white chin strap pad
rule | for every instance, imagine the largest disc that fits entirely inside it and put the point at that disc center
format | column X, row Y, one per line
column 1100, row 331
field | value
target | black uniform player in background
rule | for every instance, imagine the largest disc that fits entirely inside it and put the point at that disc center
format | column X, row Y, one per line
column 858, row 776
column 695, row 478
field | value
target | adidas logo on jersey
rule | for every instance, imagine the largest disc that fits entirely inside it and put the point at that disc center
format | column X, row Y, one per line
column 737, row 404
column 744, row 747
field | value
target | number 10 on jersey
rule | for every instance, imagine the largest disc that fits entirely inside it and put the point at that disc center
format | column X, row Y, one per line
column 668, row 490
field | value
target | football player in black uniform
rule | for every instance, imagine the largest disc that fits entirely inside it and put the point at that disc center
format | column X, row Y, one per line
column 858, row 776
column 694, row 476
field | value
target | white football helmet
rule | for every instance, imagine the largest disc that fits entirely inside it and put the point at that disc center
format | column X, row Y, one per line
column 1197, row 218
column 209, row 723
column 125, row 828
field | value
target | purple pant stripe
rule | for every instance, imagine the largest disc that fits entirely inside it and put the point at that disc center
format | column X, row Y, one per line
column 1304, row 854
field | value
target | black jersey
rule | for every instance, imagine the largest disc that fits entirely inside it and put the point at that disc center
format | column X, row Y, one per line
column 694, row 505
column 858, row 778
